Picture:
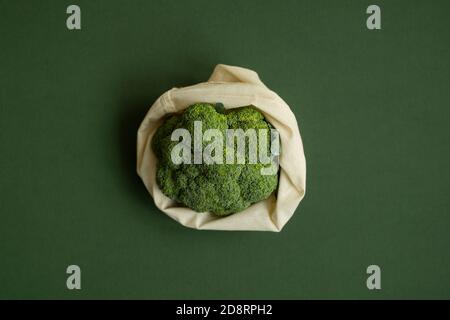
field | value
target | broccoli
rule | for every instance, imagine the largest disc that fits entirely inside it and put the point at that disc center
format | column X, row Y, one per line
column 221, row 189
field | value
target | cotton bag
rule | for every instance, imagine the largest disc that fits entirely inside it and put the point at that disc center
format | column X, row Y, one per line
column 233, row 87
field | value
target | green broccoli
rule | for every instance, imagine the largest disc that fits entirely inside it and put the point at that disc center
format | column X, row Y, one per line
column 221, row 189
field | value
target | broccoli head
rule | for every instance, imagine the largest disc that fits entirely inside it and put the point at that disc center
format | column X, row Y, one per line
column 219, row 188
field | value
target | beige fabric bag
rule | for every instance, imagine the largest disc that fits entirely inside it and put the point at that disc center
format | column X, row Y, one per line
column 234, row 87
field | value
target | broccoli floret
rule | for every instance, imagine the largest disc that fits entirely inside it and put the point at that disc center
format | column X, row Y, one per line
column 221, row 189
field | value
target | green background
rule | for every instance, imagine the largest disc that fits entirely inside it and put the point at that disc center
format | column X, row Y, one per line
column 373, row 110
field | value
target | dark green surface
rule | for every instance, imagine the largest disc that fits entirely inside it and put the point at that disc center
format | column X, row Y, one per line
column 373, row 109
